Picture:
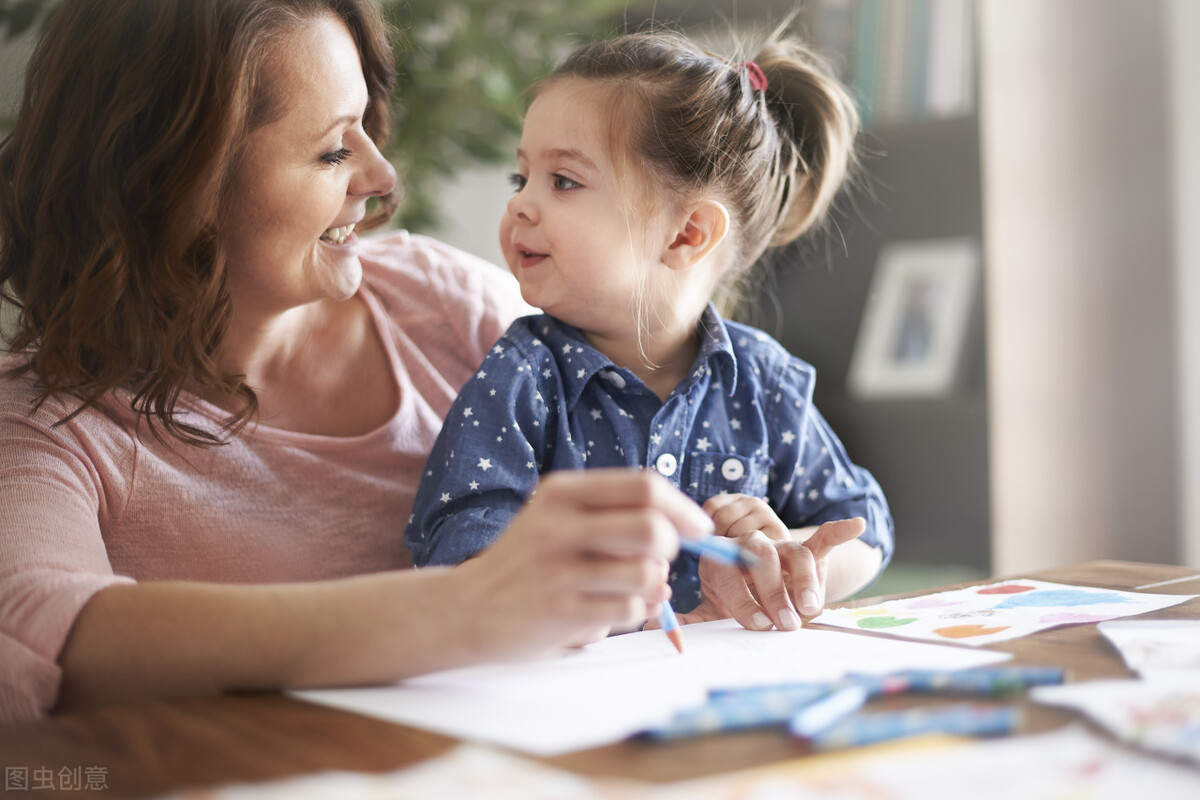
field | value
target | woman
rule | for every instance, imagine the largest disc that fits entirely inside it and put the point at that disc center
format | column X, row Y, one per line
column 220, row 398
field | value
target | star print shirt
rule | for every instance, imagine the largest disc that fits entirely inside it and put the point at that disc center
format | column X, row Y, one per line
column 544, row 399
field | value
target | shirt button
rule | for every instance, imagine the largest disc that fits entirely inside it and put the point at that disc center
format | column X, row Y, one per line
column 614, row 378
column 732, row 469
column 666, row 464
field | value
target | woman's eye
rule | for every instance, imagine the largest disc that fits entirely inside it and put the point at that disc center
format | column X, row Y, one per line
column 563, row 183
column 336, row 157
column 518, row 181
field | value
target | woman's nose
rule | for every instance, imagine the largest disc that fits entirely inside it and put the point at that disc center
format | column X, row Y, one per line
column 377, row 176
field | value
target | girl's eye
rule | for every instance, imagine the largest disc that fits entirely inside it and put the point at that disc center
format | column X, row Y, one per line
column 336, row 157
column 563, row 184
column 518, row 181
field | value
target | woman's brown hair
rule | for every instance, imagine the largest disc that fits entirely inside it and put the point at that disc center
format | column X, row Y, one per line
column 112, row 180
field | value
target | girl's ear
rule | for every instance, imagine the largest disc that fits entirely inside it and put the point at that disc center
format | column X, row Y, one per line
column 704, row 227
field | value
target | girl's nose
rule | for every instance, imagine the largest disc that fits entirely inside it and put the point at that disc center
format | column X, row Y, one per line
column 522, row 207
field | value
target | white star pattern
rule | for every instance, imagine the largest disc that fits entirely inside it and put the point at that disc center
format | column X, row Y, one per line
column 467, row 412
column 445, row 498
column 703, row 444
column 485, row 464
column 788, row 437
column 735, row 424
column 474, row 485
column 597, row 413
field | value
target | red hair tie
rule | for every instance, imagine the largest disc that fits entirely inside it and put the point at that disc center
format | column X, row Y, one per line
column 758, row 80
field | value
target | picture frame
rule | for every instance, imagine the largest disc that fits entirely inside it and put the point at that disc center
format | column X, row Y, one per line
column 915, row 319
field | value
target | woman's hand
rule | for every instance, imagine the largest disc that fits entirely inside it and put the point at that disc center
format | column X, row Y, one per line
column 587, row 553
column 791, row 575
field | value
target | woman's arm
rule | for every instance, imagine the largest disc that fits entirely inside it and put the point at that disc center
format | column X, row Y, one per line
column 583, row 555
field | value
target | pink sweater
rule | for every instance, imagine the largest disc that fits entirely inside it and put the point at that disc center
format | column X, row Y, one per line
column 99, row 501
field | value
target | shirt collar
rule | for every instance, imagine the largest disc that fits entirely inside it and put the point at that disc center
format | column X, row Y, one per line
column 579, row 362
column 716, row 350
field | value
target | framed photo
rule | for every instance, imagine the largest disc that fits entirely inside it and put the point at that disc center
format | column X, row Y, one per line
column 915, row 319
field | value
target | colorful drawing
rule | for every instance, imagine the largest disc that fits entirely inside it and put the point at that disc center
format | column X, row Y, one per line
column 979, row 615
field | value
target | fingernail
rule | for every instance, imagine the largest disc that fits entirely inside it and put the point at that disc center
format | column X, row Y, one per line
column 810, row 604
column 788, row 620
column 760, row 621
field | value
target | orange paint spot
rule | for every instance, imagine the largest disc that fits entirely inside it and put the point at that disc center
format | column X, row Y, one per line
column 967, row 631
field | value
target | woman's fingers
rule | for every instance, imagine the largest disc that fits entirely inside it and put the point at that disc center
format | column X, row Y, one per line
column 726, row 587
column 612, row 489
column 805, row 563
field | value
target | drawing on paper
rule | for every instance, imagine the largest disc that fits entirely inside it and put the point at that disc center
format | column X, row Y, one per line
column 980, row 615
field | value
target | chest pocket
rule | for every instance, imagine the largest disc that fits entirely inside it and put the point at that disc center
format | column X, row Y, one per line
column 713, row 473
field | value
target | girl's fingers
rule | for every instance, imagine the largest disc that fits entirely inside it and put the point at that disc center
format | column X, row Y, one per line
column 739, row 515
column 830, row 534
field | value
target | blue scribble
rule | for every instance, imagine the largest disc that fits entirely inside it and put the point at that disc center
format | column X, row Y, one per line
column 1060, row 597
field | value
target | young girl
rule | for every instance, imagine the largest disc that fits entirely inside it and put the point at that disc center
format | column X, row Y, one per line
column 651, row 176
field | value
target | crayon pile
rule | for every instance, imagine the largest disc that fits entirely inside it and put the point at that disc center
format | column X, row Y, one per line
column 830, row 715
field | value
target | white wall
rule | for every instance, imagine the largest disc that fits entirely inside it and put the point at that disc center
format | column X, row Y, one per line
column 1080, row 282
column 1183, row 39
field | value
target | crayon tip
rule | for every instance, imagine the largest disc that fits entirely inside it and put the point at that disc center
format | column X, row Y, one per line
column 676, row 640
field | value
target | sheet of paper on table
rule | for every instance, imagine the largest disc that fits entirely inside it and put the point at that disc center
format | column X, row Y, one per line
column 1156, row 647
column 1069, row 763
column 615, row 688
column 981, row 615
column 1161, row 715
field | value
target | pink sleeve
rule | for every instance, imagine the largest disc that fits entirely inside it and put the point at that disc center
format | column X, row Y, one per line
column 51, row 550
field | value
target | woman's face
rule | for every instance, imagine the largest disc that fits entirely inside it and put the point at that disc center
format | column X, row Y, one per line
column 305, row 178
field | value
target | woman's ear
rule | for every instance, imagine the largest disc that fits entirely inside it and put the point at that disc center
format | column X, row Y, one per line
column 702, row 230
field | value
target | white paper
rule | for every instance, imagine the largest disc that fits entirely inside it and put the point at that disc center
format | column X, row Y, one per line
column 1157, row 647
column 1067, row 764
column 618, row 687
column 1161, row 715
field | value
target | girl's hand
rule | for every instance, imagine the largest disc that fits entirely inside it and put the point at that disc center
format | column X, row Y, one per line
column 587, row 553
column 791, row 573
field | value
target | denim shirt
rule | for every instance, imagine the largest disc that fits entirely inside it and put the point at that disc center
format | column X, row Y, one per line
column 544, row 399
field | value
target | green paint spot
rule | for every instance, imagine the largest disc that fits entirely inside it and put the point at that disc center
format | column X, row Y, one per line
column 884, row 622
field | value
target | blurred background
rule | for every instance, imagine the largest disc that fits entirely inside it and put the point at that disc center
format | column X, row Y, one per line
column 1001, row 314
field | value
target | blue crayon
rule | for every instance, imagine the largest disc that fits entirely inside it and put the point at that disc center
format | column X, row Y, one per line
column 821, row 715
column 977, row 681
column 963, row 719
column 670, row 625
column 719, row 548
column 734, row 711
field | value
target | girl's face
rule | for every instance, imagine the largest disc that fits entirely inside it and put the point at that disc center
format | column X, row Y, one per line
column 571, row 234
column 305, row 178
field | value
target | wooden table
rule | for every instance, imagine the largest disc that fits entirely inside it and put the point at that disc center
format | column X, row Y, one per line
column 153, row 748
